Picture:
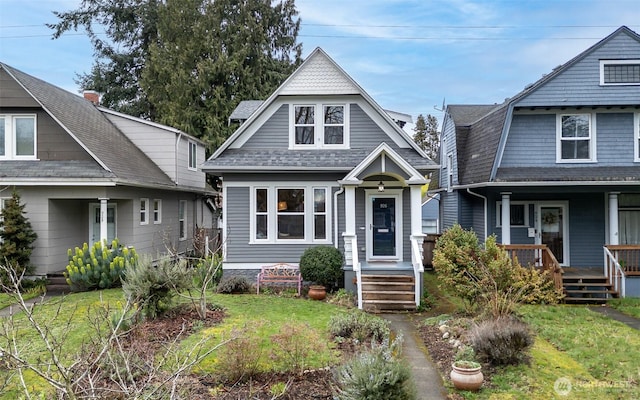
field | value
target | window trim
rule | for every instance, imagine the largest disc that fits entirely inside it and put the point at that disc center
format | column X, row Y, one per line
column 10, row 142
column 527, row 223
column 592, row 140
column 157, row 212
column 144, row 213
column 192, row 161
column 319, row 125
column 636, row 136
column 272, row 213
column 182, row 219
column 614, row 62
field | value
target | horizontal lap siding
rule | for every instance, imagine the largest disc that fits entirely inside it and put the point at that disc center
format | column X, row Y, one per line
column 273, row 134
column 12, row 94
column 450, row 209
column 531, row 141
column 615, row 139
column 580, row 83
column 365, row 133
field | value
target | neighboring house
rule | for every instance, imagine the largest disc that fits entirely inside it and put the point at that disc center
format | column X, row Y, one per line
column 320, row 163
column 87, row 173
column 430, row 214
column 557, row 164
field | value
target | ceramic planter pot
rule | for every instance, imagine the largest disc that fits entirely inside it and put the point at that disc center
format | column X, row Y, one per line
column 317, row 292
column 466, row 376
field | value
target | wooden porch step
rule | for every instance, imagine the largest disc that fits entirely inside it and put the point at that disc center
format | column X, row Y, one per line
column 388, row 295
column 386, row 278
column 388, row 305
column 586, row 300
column 587, row 291
column 382, row 286
column 584, row 289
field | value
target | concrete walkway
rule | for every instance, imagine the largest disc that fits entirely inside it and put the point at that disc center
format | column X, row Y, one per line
column 15, row 308
column 617, row 315
column 426, row 377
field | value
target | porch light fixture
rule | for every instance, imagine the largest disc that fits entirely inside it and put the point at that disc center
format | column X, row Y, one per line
column 380, row 186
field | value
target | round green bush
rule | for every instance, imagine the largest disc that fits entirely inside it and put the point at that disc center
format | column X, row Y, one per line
column 322, row 265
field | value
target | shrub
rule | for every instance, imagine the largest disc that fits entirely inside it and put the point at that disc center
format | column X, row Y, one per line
column 503, row 341
column 16, row 239
column 152, row 287
column 208, row 269
column 375, row 375
column 293, row 345
column 359, row 325
column 488, row 277
column 322, row 265
column 98, row 266
column 238, row 360
column 234, row 284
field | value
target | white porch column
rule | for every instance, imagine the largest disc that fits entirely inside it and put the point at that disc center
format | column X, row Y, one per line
column 506, row 218
column 613, row 218
column 103, row 219
column 416, row 210
column 350, row 210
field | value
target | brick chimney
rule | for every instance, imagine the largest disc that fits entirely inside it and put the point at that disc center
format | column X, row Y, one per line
column 92, row 96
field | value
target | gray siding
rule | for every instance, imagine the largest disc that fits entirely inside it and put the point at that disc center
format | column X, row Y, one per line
column 580, row 83
column 532, row 140
column 449, row 148
column 273, row 134
column 365, row 133
column 12, row 94
column 187, row 177
column 449, row 206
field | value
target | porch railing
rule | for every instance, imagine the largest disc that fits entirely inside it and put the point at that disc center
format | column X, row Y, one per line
column 537, row 256
column 418, row 266
column 613, row 270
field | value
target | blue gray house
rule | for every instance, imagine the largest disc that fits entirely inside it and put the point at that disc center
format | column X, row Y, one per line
column 556, row 168
column 321, row 163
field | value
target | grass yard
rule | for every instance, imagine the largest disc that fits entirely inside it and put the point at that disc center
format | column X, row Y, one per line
column 628, row 305
column 263, row 315
column 7, row 299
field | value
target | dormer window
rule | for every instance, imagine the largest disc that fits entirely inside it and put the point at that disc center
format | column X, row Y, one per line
column 619, row 72
column 18, row 137
column 319, row 126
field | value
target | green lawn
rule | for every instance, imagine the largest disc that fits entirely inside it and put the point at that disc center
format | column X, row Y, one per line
column 628, row 305
column 263, row 314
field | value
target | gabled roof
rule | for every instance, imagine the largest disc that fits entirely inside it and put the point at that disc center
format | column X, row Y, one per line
column 481, row 130
column 244, row 110
column 87, row 125
column 317, row 75
column 383, row 150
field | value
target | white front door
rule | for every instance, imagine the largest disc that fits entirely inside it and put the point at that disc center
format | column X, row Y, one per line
column 384, row 226
column 94, row 223
column 552, row 226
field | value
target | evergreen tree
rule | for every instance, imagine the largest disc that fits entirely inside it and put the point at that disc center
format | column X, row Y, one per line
column 17, row 237
column 426, row 135
column 186, row 63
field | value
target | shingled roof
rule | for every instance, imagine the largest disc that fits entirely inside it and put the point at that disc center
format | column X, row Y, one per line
column 120, row 159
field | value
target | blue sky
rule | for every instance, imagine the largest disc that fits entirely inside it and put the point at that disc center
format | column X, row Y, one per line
column 408, row 55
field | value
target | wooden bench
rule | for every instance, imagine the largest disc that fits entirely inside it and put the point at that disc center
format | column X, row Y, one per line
column 279, row 273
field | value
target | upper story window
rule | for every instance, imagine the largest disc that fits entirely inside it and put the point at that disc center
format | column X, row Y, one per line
column 193, row 159
column 17, row 137
column 620, row 72
column 319, row 126
column 575, row 138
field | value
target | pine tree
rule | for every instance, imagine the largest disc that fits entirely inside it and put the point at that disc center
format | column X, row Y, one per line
column 426, row 135
column 17, row 237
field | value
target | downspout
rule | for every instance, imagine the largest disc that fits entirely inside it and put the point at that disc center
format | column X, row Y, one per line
column 484, row 198
column 335, row 215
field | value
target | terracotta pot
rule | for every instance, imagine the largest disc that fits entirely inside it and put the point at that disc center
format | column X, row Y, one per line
column 317, row 292
column 466, row 378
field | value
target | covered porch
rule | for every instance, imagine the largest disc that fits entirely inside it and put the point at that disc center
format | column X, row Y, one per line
column 382, row 231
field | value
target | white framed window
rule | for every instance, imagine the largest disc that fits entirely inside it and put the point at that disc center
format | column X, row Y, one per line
column 18, row 137
column 576, row 138
column 449, row 172
column 298, row 213
column 157, row 211
column 519, row 214
column 193, row 156
column 319, row 126
column 182, row 220
column 636, row 135
column 619, row 72
column 144, row 211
